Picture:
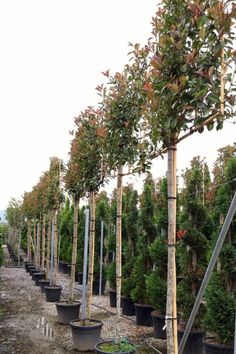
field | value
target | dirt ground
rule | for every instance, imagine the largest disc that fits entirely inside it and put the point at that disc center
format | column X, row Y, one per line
column 28, row 324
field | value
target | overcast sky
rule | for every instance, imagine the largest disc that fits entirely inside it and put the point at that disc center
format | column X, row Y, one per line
column 52, row 55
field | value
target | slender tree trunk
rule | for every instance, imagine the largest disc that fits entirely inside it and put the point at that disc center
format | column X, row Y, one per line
column 171, row 311
column 119, row 239
column 28, row 241
column 39, row 243
column 55, row 246
column 43, row 241
column 91, row 253
column 48, row 247
column 74, row 249
column 35, row 247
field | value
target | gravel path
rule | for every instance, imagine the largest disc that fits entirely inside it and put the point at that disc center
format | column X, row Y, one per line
column 28, row 324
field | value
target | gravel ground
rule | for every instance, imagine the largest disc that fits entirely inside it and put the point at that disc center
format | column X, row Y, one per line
column 28, row 324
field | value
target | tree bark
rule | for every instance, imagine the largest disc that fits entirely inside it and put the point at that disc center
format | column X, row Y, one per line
column 38, row 243
column 119, row 240
column 35, row 247
column 43, row 241
column 29, row 241
column 55, row 247
column 171, row 311
column 74, row 249
column 48, row 247
column 91, row 253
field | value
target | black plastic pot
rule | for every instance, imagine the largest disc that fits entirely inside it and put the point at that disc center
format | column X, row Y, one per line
column 66, row 311
column 44, row 283
column 63, row 267
column 98, row 349
column 68, row 269
column 38, row 277
column 34, row 271
column 158, row 324
column 143, row 315
column 30, row 269
column 85, row 337
column 96, row 287
column 80, row 278
column 127, row 305
column 213, row 348
column 28, row 265
column 112, row 297
column 194, row 344
column 53, row 293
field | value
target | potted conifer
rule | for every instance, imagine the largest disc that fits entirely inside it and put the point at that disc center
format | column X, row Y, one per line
column 194, row 236
column 220, row 294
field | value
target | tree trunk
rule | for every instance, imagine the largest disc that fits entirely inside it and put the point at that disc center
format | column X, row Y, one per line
column 38, row 244
column 171, row 311
column 74, row 249
column 91, row 252
column 119, row 239
column 29, row 241
column 35, row 247
column 55, row 247
column 48, row 247
column 43, row 241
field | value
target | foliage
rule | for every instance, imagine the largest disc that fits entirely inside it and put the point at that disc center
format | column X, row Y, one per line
column 183, row 79
column 86, row 168
column 156, row 282
column 197, row 223
column 66, row 231
column 120, row 347
column 220, row 295
column 111, row 275
column 220, row 315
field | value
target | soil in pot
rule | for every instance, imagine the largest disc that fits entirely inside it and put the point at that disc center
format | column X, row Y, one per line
column 143, row 315
column 96, row 287
column 128, row 308
column 112, row 297
column 67, row 311
column 112, row 347
column 53, row 293
column 158, row 324
column 38, row 277
column 85, row 334
column 43, row 283
column 194, row 344
column 211, row 347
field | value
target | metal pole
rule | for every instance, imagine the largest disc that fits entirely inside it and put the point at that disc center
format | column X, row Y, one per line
column 37, row 246
column 209, row 270
column 52, row 255
column 84, row 286
column 101, row 259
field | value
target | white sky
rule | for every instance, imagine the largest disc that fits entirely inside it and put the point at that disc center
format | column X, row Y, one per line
column 52, row 55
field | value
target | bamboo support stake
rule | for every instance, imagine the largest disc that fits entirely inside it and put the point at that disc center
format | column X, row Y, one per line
column 222, row 80
column 28, row 241
column 39, row 243
column 43, row 241
column 48, row 247
column 171, row 310
column 74, row 249
column 55, row 230
column 91, row 253
column 119, row 240
column 35, row 242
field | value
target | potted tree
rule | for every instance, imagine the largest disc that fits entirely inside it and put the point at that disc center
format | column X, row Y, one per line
column 86, row 174
column 143, row 264
column 220, row 294
column 197, row 225
column 123, row 346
